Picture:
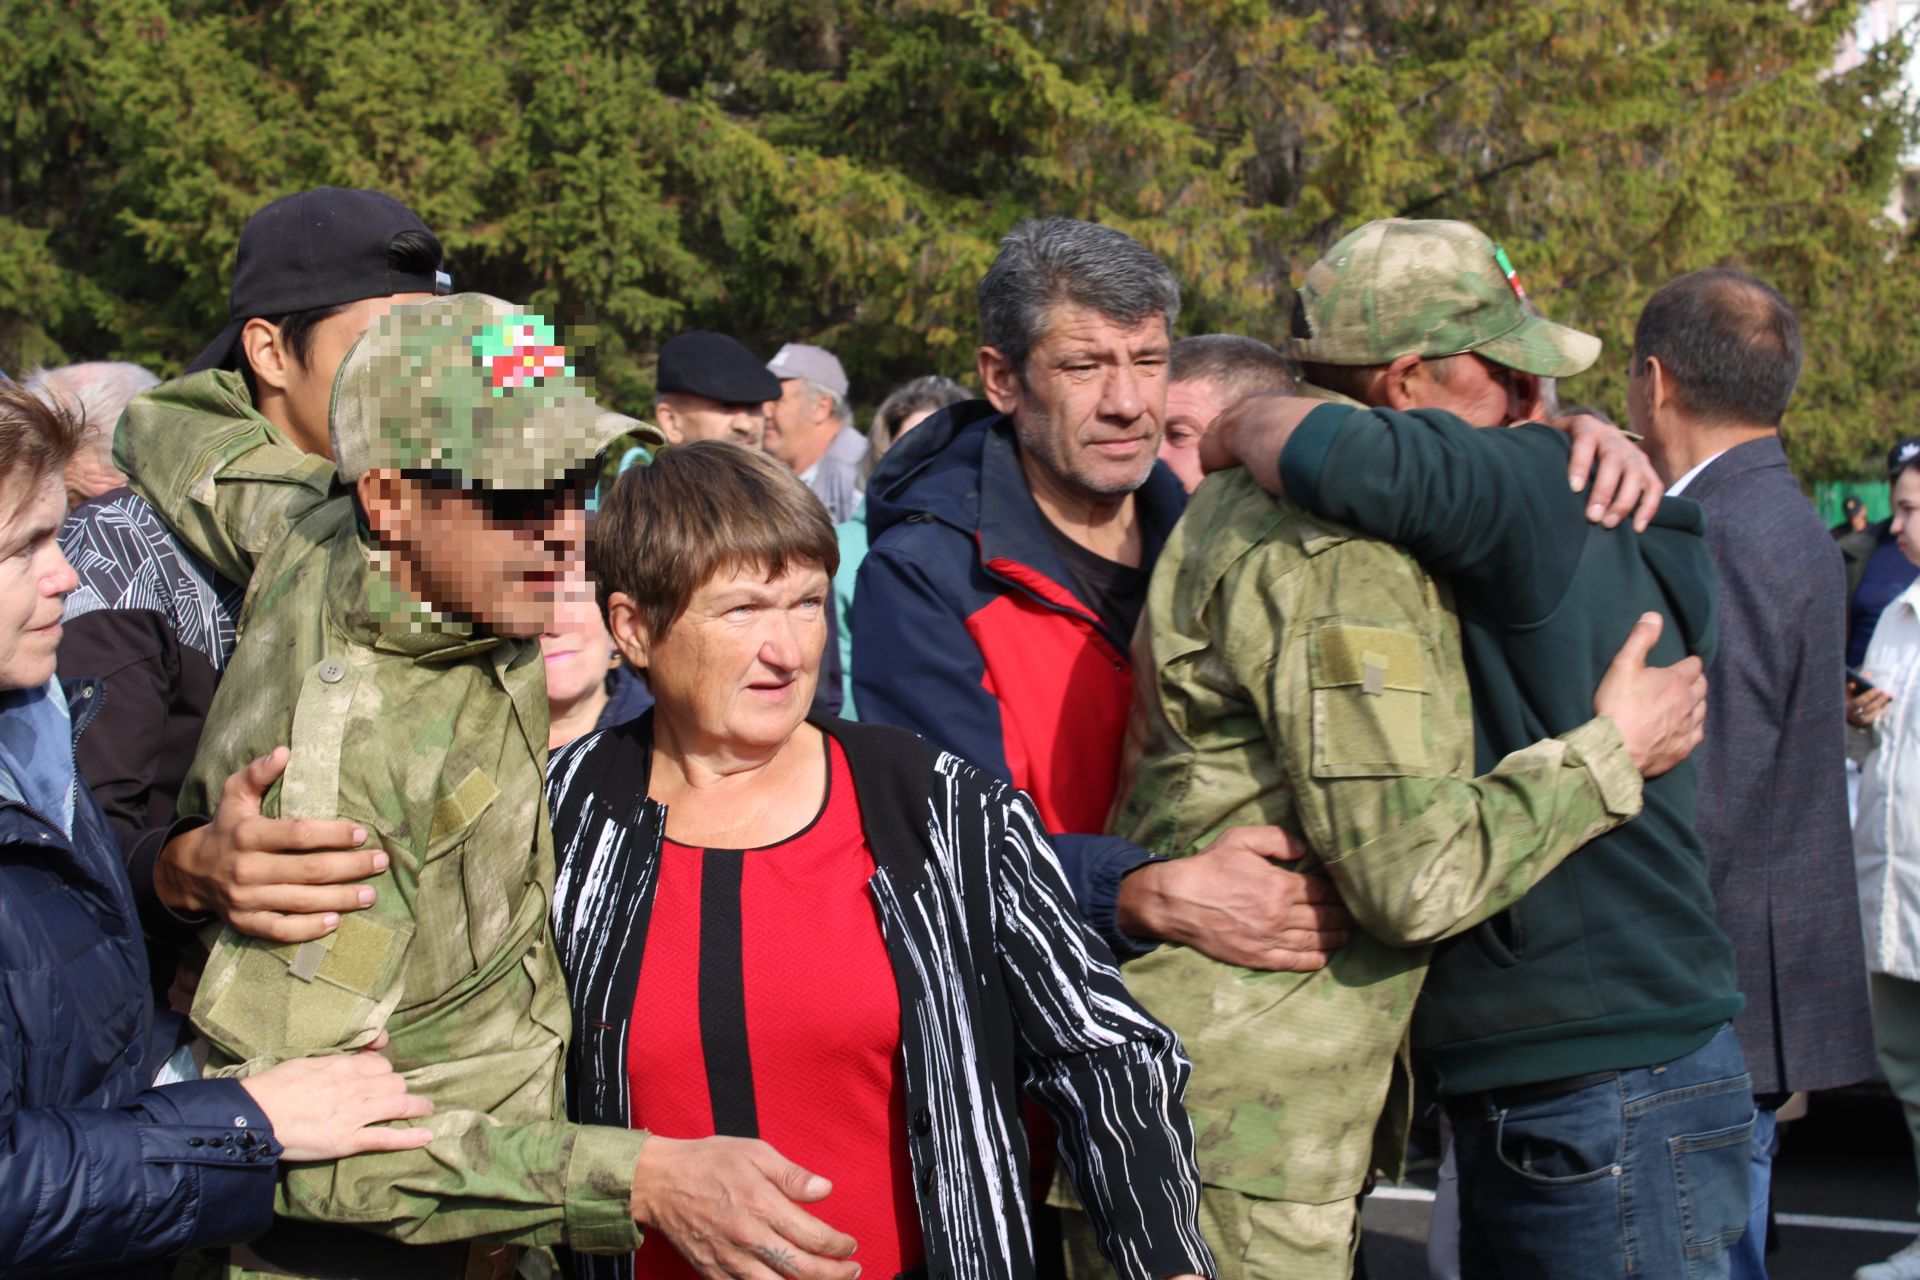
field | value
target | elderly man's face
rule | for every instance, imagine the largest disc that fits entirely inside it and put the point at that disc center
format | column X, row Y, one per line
column 797, row 420
column 34, row 581
column 740, row 665
column 686, row 417
column 1192, row 406
column 1093, row 403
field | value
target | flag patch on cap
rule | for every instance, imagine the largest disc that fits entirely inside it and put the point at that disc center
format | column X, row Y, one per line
column 520, row 353
column 1506, row 269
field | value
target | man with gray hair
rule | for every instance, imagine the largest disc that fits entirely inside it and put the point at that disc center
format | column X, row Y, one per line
column 1012, row 543
column 94, row 392
column 1210, row 372
column 811, row 427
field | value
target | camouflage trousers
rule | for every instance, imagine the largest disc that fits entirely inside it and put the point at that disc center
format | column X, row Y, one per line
column 1252, row 1238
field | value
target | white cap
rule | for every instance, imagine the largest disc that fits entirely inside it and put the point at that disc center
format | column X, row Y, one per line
column 815, row 364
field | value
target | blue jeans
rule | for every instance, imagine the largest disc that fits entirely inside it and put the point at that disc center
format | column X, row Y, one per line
column 1750, row 1255
column 1641, row 1175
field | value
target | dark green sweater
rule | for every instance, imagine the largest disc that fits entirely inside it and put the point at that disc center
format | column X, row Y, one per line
column 1613, row 960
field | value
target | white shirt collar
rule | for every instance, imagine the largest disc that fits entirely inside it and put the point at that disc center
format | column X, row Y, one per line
column 1674, row 490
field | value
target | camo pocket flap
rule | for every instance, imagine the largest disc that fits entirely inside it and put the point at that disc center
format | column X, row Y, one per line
column 1369, row 702
column 262, row 1000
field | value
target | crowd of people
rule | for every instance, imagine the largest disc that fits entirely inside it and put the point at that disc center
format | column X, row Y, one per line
column 1065, row 830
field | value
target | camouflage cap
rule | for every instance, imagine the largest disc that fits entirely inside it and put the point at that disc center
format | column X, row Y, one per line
column 467, row 384
column 1428, row 288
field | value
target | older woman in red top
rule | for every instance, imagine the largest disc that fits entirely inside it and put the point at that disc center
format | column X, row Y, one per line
column 828, row 938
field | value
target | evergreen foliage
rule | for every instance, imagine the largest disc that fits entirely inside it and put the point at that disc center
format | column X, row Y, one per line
column 838, row 171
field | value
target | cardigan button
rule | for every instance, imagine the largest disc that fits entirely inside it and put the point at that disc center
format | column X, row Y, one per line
column 926, row 1181
column 922, row 1122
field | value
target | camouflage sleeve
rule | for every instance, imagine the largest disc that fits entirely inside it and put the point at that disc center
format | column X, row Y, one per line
column 226, row 486
column 543, row 1184
column 1370, row 705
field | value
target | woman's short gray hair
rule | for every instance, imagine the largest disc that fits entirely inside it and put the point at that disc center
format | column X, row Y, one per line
column 1048, row 261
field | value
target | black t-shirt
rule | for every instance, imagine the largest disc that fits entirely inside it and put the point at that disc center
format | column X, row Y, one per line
column 1115, row 592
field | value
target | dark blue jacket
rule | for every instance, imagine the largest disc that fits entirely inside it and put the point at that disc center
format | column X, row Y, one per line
column 98, row 1171
column 966, row 629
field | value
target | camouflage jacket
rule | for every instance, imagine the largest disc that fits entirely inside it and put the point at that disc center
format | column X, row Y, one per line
column 1292, row 672
column 435, row 740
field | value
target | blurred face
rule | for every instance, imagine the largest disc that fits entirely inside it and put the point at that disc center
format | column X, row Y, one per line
column 1906, row 513
column 685, row 417
column 1191, row 408
column 296, row 395
column 796, row 421
column 502, row 560
column 740, row 665
column 34, row 581
column 1091, row 408
column 577, row 650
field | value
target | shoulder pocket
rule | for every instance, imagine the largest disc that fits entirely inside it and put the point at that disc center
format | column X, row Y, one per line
column 1369, row 701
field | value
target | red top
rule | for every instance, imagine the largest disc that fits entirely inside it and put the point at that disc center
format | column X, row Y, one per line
column 767, row 1009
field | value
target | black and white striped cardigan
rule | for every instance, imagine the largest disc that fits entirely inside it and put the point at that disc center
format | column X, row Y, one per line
column 1001, row 986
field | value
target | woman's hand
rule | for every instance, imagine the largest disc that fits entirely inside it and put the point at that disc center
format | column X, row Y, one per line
column 326, row 1108
column 727, row 1204
column 1865, row 707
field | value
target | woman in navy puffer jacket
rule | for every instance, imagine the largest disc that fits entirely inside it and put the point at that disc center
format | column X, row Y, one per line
column 100, row 1172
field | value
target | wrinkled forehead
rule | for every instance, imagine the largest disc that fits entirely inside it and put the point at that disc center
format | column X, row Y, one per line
column 1071, row 324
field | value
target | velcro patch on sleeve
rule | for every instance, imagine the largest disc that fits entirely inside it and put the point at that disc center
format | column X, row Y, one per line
column 1375, row 658
column 1369, row 703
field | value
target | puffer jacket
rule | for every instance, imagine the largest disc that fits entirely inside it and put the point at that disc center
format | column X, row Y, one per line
column 99, row 1172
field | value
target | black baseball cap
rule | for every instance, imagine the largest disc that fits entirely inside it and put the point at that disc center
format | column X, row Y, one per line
column 321, row 248
column 715, row 366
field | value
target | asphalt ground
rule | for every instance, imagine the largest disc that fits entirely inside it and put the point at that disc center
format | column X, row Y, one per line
column 1844, row 1194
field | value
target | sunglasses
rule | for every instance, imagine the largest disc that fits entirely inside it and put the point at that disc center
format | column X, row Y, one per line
column 518, row 507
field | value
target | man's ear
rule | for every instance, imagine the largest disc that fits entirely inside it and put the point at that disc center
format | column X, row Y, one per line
column 388, row 502
column 1000, row 379
column 1400, row 388
column 668, row 421
column 628, row 630
column 261, row 347
column 1659, row 386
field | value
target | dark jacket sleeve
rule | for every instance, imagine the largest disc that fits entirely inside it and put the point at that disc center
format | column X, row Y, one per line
column 124, row 750
column 1113, row 1078
column 84, row 1187
column 1490, row 509
column 916, row 666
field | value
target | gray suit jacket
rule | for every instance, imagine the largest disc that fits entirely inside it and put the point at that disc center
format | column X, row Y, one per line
column 1773, row 796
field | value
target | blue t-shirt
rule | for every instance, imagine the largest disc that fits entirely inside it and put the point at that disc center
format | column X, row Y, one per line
column 1888, row 573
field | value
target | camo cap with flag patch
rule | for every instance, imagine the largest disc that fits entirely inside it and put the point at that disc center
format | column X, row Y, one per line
column 471, row 385
column 1428, row 288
